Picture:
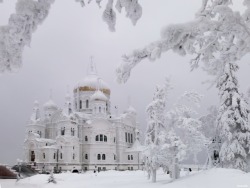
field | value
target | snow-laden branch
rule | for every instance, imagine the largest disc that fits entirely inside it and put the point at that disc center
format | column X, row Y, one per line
column 31, row 13
column 18, row 33
column 203, row 38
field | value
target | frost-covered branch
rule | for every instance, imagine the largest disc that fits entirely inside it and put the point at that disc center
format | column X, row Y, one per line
column 31, row 13
column 18, row 33
column 203, row 38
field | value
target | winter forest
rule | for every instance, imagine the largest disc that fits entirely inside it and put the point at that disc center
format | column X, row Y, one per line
column 214, row 42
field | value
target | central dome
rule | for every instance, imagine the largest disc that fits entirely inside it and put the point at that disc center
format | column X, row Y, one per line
column 92, row 82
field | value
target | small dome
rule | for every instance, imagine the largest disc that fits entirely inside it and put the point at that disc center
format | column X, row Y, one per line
column 98, row 96
column 50, row 104
column 131, row 110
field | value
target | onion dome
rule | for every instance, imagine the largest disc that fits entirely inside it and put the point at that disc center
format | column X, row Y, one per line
column 98, row 96
column 50, row 105
column 131, row 110
column 92, row 82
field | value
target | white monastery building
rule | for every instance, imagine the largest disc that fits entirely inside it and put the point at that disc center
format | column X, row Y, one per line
column 84, row 135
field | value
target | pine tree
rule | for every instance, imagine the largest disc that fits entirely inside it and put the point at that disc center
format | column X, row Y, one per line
column 233, row 121
column 155, row 111
column 51, row 178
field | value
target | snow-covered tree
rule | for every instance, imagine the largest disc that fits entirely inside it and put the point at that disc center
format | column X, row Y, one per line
column 210, row 131
column 155, row 129
column 215, row 24
column 171, row 135
column 219, row 37
column 51, row 178
column 233, row 121
column 31, row 13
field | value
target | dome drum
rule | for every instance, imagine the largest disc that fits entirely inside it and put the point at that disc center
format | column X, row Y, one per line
column 87, row 88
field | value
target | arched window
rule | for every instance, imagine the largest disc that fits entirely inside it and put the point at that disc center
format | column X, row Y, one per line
column 97, row 138
column 105, row 138
column 100, row 109
column 101, row 137
column 103, row 157
column 114, row 157
column 86, row 156
column 87, row 103
column 72, row 131
column 80, row 104
column 131, row 157
column 99, row 157
column 128, row 137
column 86, row 138
column 128, row 157
column 62, row 130
column 131, row 138
column 61, row 155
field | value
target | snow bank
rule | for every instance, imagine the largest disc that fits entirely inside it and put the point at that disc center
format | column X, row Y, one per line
column 214, row 178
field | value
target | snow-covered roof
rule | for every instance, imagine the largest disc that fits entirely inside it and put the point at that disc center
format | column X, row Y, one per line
column 131, row 110
column 136, row 147
column 98, row 95
column 46, row 140
column 50, row 147
column 50, row 104
column 92, row 81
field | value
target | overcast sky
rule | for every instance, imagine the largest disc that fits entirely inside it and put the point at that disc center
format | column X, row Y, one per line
column 60, row 51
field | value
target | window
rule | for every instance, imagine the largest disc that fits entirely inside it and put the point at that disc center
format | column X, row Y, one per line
column 101, row 137
column 87, row 103
column 73, row 147
column 63, row 131
column 86, row 138
column 61, row 147
column 44, row 155
column 114, row 157
column 80, row 104
column 61, row 155
column 86, row 156
column 54, row 156
column 72, row 130
column 126, row 137
column 128, row 157
column 97, row 138
column 131, row 157
column 131, row 168
column 100, row 109
column 73, row 156
column 129, row 138
column 103, row 157
column 46, row 144
column 99, row 157
column 128, row 168
column 114, row 139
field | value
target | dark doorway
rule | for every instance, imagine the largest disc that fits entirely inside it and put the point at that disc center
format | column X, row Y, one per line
column 32, row 156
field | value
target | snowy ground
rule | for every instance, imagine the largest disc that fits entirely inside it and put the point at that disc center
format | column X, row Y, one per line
column 214, row 178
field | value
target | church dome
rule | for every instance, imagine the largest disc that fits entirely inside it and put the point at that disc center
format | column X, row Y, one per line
column 92, row 82
column 98, row 96
column 50, row 104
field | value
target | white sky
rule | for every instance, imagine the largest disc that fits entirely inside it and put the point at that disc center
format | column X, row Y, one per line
column 60, row 51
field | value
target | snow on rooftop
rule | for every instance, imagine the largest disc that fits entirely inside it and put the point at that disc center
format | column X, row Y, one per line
column 50, row 104
column 98, row 95
column 93, row 81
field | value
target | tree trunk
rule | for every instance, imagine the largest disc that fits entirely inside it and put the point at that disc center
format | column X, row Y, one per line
column 154, row 175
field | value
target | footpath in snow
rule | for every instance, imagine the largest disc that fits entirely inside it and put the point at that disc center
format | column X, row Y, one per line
column 214, row 178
